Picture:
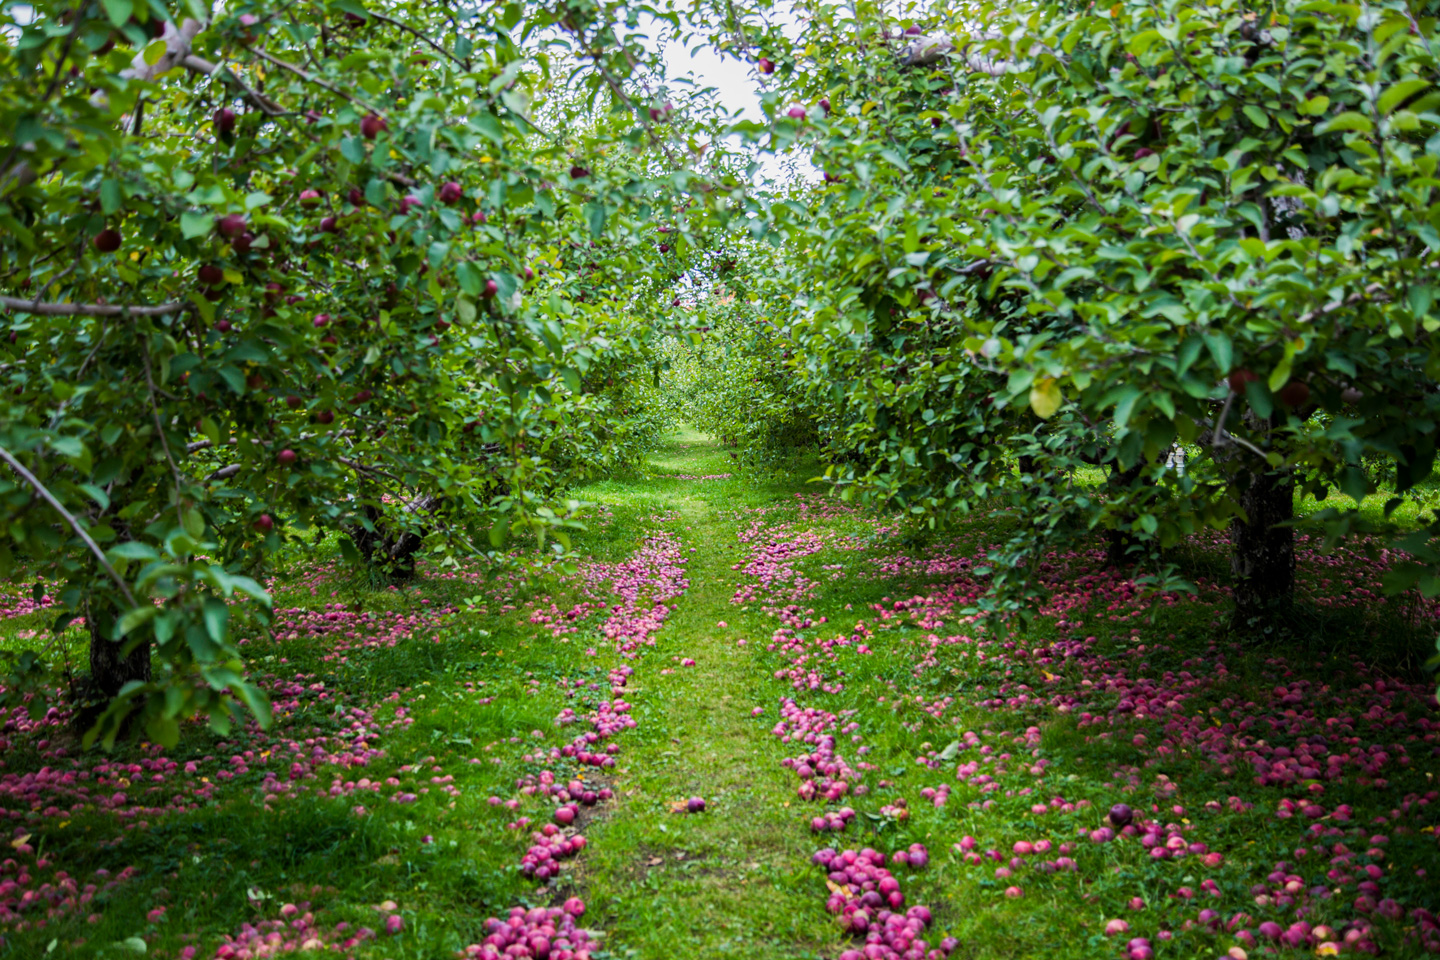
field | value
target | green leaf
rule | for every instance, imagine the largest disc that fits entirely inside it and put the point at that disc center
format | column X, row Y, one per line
column 595, row 218
column 166, row 732
column 133, row 618
column 194, row 224
column 119, row 11
column 154, row 52
column 1397, row 93
column 110, row 197
column 1348, row 121
column 217, row 619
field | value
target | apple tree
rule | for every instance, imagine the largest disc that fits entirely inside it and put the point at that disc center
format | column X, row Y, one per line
column 1060, row 234
column 271, row 270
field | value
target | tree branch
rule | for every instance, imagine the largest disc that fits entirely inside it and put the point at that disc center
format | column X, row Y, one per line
column 315, row 80
column 74, row 524
column 90, row 309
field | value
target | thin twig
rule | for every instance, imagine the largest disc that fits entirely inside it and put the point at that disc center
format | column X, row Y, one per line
column 160, row 429
column 41, row 489
column 417, row 34
column 308, row 78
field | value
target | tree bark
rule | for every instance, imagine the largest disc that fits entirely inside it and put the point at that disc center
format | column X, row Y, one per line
column 110, row 670
column 388, row 549
column 1262, row 557
column 1118, row 540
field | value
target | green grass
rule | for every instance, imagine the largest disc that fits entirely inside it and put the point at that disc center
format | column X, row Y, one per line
column 735, row 881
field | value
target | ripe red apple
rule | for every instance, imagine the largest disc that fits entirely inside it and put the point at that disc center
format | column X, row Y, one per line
column 273, row 292
column 231, row 226
column 529, row 274
column 210, row 275
column 408, row 201
column 293, row 402
column 264, row 523
column 106, row 241
column 451, row 192
column 664, row 248
column 321, row 319
column 329, row 225
column 371, row 125
column 325, row 416
column 479, row 217
column 363, row 396
column 1294, row 394
column 309, row 198
column 796, row 112
column 1144, row 152
column 767, row 66
column 242, row 243
column 225, row 120
column 1240, row 377
column 223, row 326
column 825, row 104
column 578, row 172
column 356, row 196
column 491, row 288
column 248, row 20
column 286, row 457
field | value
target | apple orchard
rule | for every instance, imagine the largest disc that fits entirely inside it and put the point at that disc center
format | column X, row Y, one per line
column 1056, row 307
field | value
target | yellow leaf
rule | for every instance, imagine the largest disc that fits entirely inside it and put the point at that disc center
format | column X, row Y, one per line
column 20, row 841
column 835, row 887
column 234, row 276
column 867, row 106
column 1045, row 397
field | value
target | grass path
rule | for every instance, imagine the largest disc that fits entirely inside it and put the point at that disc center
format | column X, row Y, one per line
column 728, row 882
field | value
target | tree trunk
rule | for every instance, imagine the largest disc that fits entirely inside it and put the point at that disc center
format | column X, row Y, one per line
column 1118, row 541
column 388, row 549
column 1262, row 557
column 109, row 670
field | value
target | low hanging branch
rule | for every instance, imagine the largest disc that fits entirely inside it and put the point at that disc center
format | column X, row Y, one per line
column 49, row 309
column 74, row 524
